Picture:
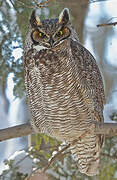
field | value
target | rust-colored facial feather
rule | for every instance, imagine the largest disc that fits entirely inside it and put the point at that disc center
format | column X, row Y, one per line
column 39, row 36
column 50, row 32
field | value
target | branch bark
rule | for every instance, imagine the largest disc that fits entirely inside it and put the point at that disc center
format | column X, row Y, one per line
column 108, row 129
column 15, row 131
column 107, row 24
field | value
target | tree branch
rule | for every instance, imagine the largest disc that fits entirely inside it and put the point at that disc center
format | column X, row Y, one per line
column 15, row 131
column 108, row 129
column 107, row 24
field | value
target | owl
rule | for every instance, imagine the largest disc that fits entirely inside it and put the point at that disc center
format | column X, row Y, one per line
column 64, row 88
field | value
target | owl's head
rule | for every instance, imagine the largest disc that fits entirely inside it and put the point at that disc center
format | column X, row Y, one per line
column 50, row 32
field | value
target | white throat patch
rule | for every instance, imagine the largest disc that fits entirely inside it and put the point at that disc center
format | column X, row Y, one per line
column 39, row 48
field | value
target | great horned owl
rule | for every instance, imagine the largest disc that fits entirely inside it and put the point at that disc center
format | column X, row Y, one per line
column 64, row 88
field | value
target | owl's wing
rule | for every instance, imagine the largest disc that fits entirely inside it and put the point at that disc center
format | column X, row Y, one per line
column 90, row 79
column 89, row 75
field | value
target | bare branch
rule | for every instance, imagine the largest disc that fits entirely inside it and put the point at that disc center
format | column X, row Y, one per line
column 108, row 129
column 36, row 5
column 59, row 153
column 107, row 24
column 16, row 131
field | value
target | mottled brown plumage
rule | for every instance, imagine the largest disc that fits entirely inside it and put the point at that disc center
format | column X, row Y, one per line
column 64, row 88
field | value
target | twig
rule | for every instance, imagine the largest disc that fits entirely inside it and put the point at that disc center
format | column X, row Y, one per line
column 59, row 153
column 16, row 165
column 55, row 157
column 37, row 5
column 26, row 5
column 107, row 24
column 94, row 1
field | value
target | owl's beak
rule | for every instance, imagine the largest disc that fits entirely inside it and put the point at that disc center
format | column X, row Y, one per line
column 51, row 42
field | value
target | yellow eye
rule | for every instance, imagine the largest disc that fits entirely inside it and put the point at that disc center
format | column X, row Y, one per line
column 40, row 34
column 37, row 35
column 60, row 33
column 63, row 32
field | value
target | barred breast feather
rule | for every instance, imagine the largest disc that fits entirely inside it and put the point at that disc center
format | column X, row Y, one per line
column 65, row 94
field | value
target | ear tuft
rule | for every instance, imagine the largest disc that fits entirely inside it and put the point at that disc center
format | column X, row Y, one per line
column 34, row 20
column 64, row 16
column 38, row 21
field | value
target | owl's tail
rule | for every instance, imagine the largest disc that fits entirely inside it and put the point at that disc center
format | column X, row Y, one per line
column 86, row 152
